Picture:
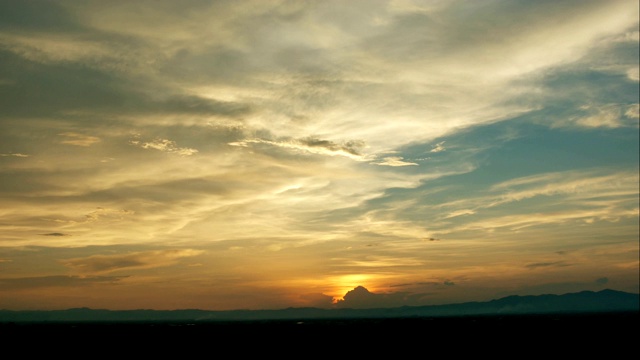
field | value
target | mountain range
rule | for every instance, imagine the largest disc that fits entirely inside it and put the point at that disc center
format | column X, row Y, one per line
column 585, row 302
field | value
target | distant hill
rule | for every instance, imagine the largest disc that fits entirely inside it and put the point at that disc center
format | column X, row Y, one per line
column 572, row 303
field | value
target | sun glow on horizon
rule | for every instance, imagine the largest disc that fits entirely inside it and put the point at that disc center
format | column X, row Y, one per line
column 341, row 285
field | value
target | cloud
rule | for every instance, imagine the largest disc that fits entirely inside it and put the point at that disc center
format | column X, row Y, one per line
column 439, row 147
column 382, row 261
column 633, row 111
column 634, row 74
column 107, row 214
column 602, row 280
column 361, row 298
column 351, row 149
column 522, row 221
column 580, row 197
column 45, row 48
column 431, row 239
column 55, row 281
column 164, row 145
column 15, row 155
column 547, row 264
column 394, row 161
column 78, row 139
column 574, row 182
column 55, row 234
column 608, row 116
column 130, row 261
column 460, row 213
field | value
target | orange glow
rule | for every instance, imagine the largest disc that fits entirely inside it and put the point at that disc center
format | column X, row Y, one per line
column 340, row 285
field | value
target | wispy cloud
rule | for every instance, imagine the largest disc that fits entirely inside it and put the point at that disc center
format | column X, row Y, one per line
column 394, row 161
column 129, row 261
column 15, row 155
column 381, row 262
column 438, row 147
column 59, row 47
column 56, row 281
column 523, row 221
column 351, row 149
column 105, row 213
column 595, row 183
column 164, row 145
column 460, row 213
column 547, row 264
column 77, row 139
column 633, row 111
column 608, row 116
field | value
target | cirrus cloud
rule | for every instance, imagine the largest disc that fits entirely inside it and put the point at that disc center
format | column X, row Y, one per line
column 130, row 261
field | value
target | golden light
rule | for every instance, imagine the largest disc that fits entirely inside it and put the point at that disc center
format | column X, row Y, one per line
column 342, row 284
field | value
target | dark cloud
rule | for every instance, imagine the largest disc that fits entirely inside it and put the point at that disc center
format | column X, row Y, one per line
column 362, row 298
column 428, row 283
column 35, row 15
column 602, row 280
column 37, row 84
column 38, row 89
column 359, row 297
column 547, row 264
column 55, row 234
column 55, row 281
column 60, row 88
column 353, row 147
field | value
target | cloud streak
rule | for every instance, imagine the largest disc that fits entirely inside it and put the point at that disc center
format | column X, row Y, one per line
column 164, row 145
column 62, row 281
column 351, row 149
column 14, row 155
column 98, row 264
column 395, row 161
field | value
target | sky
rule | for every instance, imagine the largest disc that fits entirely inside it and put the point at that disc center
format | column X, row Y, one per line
column 261, row 154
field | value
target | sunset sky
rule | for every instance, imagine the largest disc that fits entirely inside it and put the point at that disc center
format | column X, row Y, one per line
column 269, row 154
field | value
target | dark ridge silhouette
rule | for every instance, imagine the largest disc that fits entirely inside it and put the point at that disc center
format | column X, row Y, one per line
column 603, row 323
column 585, row 302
